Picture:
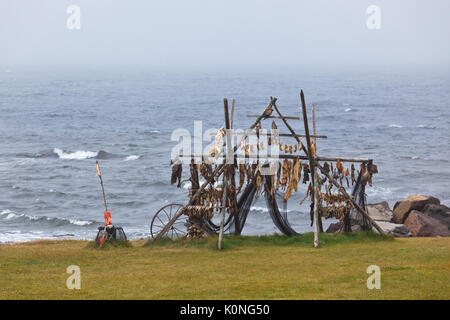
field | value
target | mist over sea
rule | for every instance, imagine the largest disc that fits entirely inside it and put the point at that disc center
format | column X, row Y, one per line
column 54, row 125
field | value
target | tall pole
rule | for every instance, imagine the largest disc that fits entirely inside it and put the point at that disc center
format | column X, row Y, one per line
column 225, row 171
column 224, row 206
column 316, row 209
column 312, row 167
column 99, row 174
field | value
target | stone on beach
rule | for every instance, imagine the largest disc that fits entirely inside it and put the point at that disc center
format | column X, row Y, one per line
column 421, row 225
column 438, row 212
column 380, row 211
column 397, row 230
column 414, row 202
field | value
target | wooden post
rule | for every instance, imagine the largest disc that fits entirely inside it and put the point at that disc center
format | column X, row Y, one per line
column 314, row 124
column 224, row 206
column 232, row 113
column 316, row 209
column 310, row 155
column 319, row 218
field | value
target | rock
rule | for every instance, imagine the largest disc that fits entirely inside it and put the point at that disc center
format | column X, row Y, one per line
column 421, row 225
column 414, row 202
column 334, row 227
column 356, row 228
column 397, row 230
column 380, row 211
column 438, row 212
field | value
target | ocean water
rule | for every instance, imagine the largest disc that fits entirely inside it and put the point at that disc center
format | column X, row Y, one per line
column 54, row 125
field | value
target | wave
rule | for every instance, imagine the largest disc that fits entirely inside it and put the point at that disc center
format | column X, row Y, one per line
column 21, row 217
column 395, row 126
column 423, row 126
column 57, row 153
column 348, row 109
column 77, row 155
column 264, row 209
column 132, row 158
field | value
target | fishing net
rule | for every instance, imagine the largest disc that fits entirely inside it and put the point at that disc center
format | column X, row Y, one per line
column 235, row 223
column 354, row 216
column 279, row 218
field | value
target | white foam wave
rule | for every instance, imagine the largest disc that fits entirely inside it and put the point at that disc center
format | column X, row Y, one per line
column 423, row 126
column 395, row 126
column 377, row 191
column 132, row 158
column 77, row 155
column 264, row 209
column 348, row 109
column 10, row 215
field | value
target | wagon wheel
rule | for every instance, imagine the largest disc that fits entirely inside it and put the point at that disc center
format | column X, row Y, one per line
column 164, row 216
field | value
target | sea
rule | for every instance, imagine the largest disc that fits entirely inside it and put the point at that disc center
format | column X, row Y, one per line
column 55, row 124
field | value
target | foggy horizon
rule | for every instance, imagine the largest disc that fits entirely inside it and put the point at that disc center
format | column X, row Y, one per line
column 205, row 35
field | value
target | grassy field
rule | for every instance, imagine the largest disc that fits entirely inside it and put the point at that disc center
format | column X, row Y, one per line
column 269, row 267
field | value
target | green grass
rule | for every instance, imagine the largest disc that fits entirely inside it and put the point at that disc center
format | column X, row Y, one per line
column 302, row 240
column 267, row 267
column 112, row 244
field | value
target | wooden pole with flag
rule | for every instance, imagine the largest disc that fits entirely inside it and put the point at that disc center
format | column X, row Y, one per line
column 99, row 174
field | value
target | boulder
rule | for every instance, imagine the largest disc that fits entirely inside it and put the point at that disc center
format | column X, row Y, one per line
column 438, row 212
column 397, row 230
column 414, row 202
column 421, row 225
column 380, row 211
column 334, row 227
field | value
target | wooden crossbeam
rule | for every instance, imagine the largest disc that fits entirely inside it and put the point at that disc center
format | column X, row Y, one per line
column 284, row 156
column 280, row 134
column 273, row 117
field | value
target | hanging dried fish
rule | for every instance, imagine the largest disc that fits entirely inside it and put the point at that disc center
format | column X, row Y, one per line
column 177, row 170
column 242, row 171
column 353, row 173
column 258, row 181
column 195, row 185
column 293, row 184
column 284, row 179
column 308, row 193
column 217, row 148
column 305, row 173
column 278, row 176
column 326, row 167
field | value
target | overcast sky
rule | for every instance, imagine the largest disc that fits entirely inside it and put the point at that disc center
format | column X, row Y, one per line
column 225, row 34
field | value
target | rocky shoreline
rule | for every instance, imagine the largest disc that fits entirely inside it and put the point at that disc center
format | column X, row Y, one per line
column 415, row 216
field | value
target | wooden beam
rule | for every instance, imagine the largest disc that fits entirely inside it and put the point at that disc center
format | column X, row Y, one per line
column 309, row 153
column 273, row 117
column 286, row 156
